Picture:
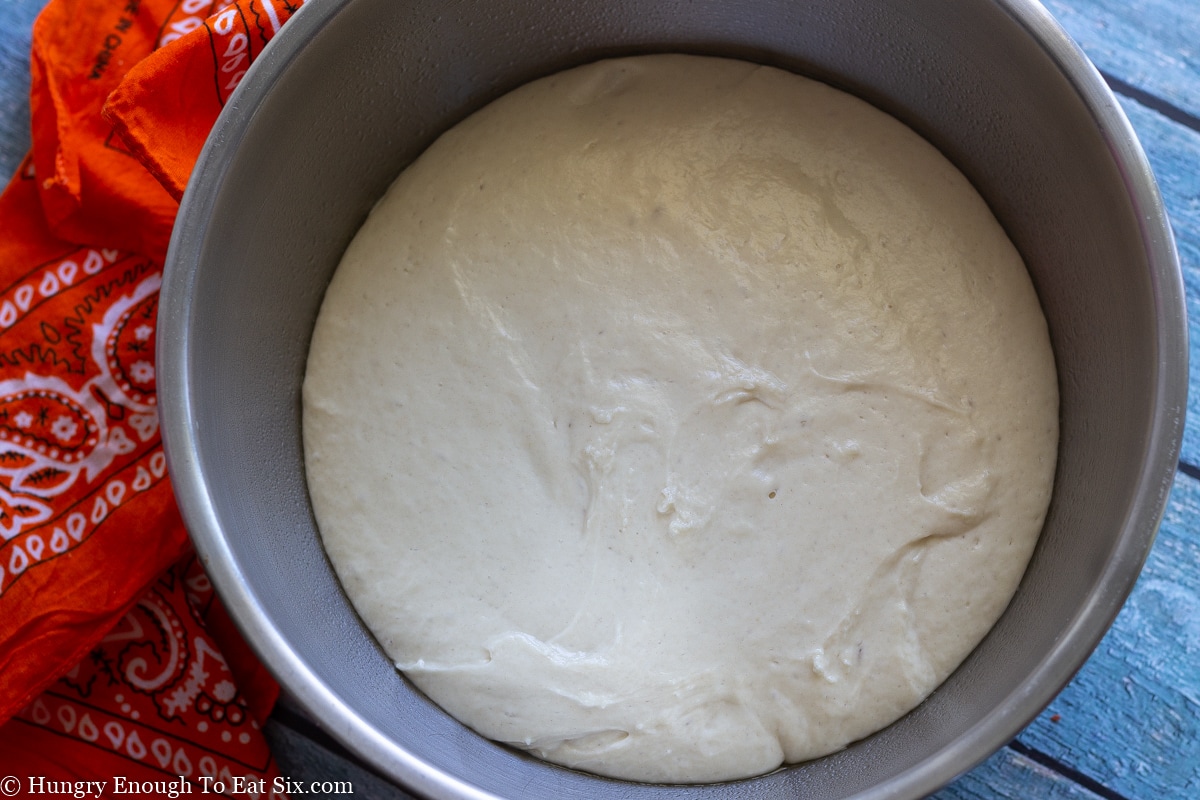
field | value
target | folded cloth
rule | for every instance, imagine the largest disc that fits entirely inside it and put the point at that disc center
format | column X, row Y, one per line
column 115, row 180
column 115, row 656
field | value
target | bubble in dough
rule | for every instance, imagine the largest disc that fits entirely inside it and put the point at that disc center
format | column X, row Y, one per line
column 673, row 418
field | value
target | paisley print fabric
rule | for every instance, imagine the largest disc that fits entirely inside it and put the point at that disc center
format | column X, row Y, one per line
column 116, row 657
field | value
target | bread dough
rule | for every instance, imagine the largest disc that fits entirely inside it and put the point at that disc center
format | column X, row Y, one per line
column 676, row 417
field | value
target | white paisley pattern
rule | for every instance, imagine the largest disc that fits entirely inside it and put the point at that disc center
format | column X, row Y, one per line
column 52, row 433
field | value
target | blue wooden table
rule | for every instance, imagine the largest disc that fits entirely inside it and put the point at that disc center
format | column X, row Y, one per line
column 1128, row 725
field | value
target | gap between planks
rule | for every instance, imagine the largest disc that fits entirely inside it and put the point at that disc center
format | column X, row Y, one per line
column 1152, row 102
column 1066, row 771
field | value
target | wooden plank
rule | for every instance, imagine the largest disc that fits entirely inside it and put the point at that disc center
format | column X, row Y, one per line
column 16, row 19
column 1153, row 45
column 1009, row 775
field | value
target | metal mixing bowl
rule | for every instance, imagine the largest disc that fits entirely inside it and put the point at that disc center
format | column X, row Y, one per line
column 352, row 90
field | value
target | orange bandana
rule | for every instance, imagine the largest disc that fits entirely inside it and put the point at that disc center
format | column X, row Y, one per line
column 116, row 658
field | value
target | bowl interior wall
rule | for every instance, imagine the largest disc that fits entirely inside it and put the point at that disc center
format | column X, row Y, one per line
column 374, row 86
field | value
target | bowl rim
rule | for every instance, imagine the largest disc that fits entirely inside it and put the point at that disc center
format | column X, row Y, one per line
column 1033, row 694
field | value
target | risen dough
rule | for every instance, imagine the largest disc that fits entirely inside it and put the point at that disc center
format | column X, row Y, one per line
column 673, row 418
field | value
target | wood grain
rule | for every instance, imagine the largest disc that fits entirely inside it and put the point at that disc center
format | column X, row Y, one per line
column 1153, row 45
column 1009, row 775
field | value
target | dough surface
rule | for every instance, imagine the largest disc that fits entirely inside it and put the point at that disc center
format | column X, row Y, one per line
column 673, row 418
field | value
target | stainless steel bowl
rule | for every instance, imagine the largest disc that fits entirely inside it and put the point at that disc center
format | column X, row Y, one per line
column 352, row 90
